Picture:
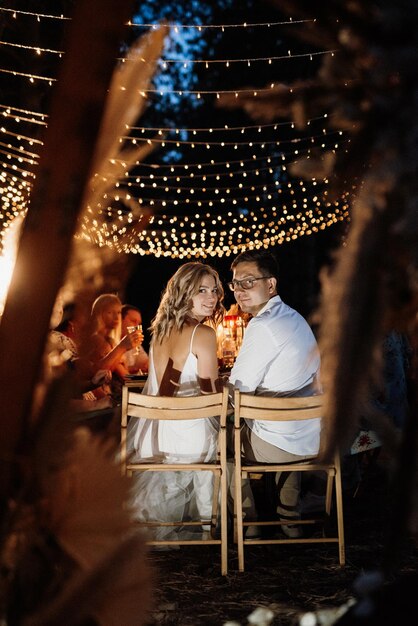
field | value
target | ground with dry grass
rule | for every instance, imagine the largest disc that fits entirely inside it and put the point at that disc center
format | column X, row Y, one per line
column 290, row 580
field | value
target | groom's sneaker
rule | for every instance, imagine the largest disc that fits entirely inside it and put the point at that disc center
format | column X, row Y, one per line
column 291, row 531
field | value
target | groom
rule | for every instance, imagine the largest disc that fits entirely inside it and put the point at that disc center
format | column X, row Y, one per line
column 279, row 357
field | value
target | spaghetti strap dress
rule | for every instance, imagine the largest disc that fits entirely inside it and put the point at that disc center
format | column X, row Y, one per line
column 171, row 496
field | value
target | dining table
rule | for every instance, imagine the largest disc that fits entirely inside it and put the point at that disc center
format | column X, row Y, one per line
column 137, row 381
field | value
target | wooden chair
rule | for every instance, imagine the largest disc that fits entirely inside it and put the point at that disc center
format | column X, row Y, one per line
column 253, row 407
column 213, row 405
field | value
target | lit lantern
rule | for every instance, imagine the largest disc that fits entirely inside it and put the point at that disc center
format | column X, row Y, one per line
column 229, row 338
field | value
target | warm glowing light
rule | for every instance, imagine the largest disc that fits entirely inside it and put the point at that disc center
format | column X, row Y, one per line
column 8, row 258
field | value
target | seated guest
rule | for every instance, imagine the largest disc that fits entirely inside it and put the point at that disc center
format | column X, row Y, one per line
column 105, row 347
column 63, row 356
column 278, row 357
column 135, row 360
column 182, row 362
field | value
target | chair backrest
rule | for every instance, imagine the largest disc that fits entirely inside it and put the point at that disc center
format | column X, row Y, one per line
column 276, row 408
column 174, row 408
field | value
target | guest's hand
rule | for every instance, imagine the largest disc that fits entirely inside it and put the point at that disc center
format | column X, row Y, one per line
column 102, row 377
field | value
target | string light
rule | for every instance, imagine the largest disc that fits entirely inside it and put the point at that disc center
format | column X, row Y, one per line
column 219, row 210
column 227, row 62
column 217, row 92
column 201, row 27
column 9, row 109
column 37, row 49
column 208, row 145
column 32, row 77
column 164, row 62
column 226, row 128
column 20, row 137
column 16, row 12
column 209, row 235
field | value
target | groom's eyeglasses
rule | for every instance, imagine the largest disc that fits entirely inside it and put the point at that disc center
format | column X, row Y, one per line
column 246, row 283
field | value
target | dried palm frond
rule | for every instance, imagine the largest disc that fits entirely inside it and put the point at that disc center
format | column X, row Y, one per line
column 125, row 104
column 71, row 544
column 85, row 498
column 92, row 256
column 85, row 508
column 116, row 591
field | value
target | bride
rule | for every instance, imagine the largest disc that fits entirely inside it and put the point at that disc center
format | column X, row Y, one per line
column 182, row 362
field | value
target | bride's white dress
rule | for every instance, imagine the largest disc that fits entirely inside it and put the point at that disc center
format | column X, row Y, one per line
column 172, row 496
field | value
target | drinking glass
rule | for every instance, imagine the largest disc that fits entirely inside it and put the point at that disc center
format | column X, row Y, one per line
column 132, row 329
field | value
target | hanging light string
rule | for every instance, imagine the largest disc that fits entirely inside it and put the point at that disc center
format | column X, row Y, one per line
column 21, row 137
column 16, row 114
column 174, row 25
column 217, row 92
column 287, row 189
column 163, row 63
column 10, row 108
column 21, row 159
column 37, row 49
column 218, row 189
column 212, row 163
column 209, row 144
column 218, row 175
column 202, row 236
column 222, row 173
column 179, row 92
column 229, row 188
column 18, row 150
column 32, row 77
column 189, row 223
column 284, row 155
column 9, row 165
column 163, row 181
column 219, row 199
column 17, row 12
column 201, row 27
column 246, row 214
column 19, row 119
column 226, row 128
column 227, row 62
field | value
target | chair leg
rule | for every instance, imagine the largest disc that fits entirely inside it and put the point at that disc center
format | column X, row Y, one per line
column 224, row 524
column 239, row 517
column 328, row 493
column 215, row 502
column 340, row 516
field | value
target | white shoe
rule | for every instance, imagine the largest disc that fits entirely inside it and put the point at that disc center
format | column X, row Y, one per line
column 293, row 531
column 252, row 532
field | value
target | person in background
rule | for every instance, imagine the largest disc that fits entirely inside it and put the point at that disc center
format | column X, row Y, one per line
column 182, row 362
column 63, row 357
column 136, row 360
column 105, row 347
column 279, row 357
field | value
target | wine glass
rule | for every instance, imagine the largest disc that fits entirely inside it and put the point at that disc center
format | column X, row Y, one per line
column 132, row 329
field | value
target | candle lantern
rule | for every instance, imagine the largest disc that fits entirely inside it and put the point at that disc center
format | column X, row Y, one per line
column 229, row 334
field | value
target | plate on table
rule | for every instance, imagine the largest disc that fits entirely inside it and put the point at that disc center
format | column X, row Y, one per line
column 136, row 376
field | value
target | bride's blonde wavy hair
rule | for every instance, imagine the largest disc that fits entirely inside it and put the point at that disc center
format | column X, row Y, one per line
column 176, row 302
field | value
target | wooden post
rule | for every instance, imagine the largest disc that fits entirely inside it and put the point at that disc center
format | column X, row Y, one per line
column 57, row 197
